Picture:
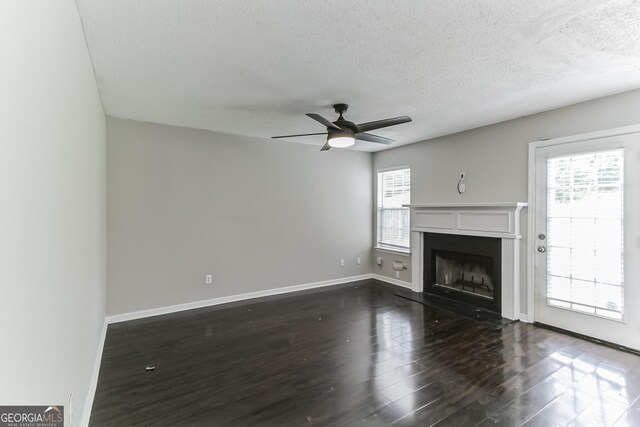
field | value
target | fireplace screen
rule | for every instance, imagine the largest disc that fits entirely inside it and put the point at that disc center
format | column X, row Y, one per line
column 466, row 273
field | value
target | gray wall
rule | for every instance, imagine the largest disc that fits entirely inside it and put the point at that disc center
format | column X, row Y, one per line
column 258, row 214
column 52, row 214
column 495, row 159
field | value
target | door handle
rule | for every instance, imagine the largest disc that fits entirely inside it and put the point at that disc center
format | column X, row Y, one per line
column 542, row 249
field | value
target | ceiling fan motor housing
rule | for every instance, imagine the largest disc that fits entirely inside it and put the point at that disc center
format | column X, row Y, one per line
column 338, row 133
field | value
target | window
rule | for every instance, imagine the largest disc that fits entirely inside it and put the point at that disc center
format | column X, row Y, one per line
column 585, row 230
column 394, row 190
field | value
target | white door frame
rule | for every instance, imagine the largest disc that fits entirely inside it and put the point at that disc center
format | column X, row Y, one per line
column 533, row 191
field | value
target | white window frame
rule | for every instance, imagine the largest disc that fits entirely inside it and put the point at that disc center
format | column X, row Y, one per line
column 381, row 247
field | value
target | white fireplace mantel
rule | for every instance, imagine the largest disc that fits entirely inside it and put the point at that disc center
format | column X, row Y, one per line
column 500, row 220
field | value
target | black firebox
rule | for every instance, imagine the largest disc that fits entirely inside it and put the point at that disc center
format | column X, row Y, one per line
column 464, row 268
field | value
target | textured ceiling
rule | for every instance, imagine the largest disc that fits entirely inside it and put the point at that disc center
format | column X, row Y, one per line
column 255, row 67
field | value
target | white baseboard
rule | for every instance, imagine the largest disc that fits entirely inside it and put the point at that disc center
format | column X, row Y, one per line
column 524, row 318
column 116, row 318
column 93, row 385
column 391, row 280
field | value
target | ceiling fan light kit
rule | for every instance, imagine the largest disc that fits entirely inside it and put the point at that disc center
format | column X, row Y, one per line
column 341, row 141
column 343, row 133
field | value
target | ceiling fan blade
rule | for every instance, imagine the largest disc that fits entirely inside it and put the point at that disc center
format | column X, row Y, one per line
column 374, row 138
column 379, row 124
column 325, row 147
column 319, row 118
column 302, row 134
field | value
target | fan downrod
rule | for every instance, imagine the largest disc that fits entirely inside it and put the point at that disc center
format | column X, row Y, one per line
column 340, row 108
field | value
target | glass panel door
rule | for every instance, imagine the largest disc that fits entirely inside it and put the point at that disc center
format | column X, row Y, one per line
column 586, row 216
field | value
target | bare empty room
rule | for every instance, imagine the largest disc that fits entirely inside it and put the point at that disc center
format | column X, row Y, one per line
column 319, row 213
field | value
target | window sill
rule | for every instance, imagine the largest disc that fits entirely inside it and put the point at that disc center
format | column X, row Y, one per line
column 394, row 251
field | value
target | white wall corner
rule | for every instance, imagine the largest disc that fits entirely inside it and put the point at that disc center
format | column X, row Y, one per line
column 93, row 385
column 392, row 281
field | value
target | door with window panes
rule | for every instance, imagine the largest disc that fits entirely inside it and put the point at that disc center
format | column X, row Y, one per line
column 587, row 237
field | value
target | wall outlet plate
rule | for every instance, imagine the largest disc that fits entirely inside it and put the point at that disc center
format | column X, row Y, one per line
column 208, row 279
column 379, row 261
column 358, row 260
column 341, row 262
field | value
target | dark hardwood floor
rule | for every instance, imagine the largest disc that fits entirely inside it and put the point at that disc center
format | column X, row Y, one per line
column 356, row 355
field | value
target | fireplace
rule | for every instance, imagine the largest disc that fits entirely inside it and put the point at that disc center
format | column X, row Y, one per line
column 464, row 268
column 497, row 222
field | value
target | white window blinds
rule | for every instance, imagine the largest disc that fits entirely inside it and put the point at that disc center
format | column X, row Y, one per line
column 585, row 233
column 394, row 189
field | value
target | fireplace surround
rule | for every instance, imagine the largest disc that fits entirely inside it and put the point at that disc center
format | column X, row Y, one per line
column 500, row 221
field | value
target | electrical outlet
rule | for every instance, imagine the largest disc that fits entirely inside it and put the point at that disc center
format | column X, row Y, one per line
column 358, row 260
column 462, row 175
column 397, row 274
column 379, row 261
column 341, row 262
column 208, row 279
